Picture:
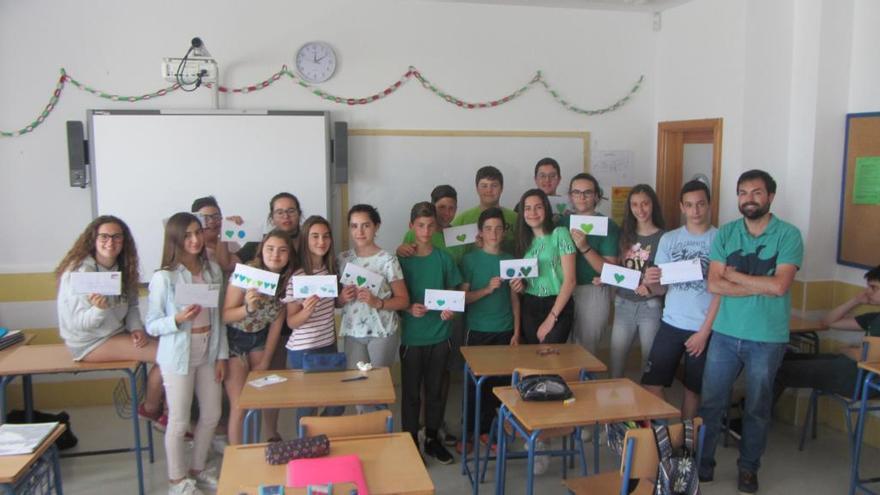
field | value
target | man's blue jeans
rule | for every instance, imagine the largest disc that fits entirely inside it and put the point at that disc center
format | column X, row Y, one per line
column 726, row 358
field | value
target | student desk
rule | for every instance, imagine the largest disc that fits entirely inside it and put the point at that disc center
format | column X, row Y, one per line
column 39, row 470
column 312, row 390
column 484, row 361
column 391, row 463
column 596, row 402
column 26, row 381
column 29, row 360
column 872, row 382
column 805, row 332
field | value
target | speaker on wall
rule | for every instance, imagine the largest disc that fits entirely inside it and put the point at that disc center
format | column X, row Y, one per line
column 77, row 154
column 340, row 152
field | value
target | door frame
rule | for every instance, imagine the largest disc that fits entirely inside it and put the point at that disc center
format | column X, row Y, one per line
column 671, row 138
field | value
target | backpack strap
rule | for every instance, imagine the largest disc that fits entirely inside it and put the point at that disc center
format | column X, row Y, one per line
column 664, row 446
column 689, row 435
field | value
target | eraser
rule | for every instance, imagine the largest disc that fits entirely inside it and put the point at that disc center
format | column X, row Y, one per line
column 568, row 401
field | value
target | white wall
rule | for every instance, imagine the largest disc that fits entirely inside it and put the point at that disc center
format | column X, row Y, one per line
column 476, row 52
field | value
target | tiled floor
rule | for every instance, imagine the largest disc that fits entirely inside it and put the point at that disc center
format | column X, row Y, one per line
column 822, row 468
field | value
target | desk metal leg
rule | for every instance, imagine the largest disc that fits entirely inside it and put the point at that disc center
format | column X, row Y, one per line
column 135, row 425
column 56, row 469
column 149, row 426
column 464, row 419
column 530, row 465
column 251, row 426
column 501, row 457
column 4, row 381
column 27, row 391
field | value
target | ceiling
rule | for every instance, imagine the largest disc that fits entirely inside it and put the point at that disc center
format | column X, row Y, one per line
column 627, row 5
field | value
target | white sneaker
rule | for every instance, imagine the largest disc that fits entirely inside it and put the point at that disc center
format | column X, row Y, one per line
column 185, row 487
column 542, row 462
column 206, row 478
column 587, row 434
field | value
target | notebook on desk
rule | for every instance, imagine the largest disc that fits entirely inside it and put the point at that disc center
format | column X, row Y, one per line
column 333, row 469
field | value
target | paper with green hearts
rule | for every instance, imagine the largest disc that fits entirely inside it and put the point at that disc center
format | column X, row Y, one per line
column 438, row 300
column 461, row 235
column 205, row 295
column 246, row 232
column 521, row 268
column 590, row 224
column 620, row 276
column 360, row 277
column 304, row 286
column 560, row 205
column 264, row 281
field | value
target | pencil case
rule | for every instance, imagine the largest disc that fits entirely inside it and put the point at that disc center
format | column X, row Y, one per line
column 297, row 448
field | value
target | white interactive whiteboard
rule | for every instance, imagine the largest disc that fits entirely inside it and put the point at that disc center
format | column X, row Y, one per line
column 392, row 170
column 148, row 165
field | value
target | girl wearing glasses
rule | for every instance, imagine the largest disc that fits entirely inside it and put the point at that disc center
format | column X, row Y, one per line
column 592, row 302
column 97, row 327
column 221, row 252
column 193, row 351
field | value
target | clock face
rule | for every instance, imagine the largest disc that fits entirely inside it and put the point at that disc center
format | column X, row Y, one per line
column 316, row 61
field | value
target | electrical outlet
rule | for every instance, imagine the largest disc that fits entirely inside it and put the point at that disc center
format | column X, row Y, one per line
column 190, row 70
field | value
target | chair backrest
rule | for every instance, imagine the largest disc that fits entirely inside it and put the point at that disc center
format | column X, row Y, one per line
column 645, row 458
column 573, row 374
column 346, row 426
column 871, row 349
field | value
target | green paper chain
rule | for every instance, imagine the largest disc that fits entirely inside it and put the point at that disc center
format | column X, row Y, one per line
column 411, row 73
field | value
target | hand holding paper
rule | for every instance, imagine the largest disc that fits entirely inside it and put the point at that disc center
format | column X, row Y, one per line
column 240, row 233
column 264, row 281
column 104, row 283
column 361, row 278
column 590, row 224
column 681, row 271
column 620, row 276
column 461, row 235
column 440, row 300
column 309, row 285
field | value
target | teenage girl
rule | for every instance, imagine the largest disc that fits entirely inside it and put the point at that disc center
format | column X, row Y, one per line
column 221, row 252
column 638, row 311
column 192, row 351
column 312, row 320
column 99, row 328
column 369, row 320
column 253, row 323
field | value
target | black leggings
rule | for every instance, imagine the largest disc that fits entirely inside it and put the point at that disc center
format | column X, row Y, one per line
column 535, row 310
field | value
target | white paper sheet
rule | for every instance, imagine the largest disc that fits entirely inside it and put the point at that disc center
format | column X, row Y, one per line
column 104, row 283
column 205, row 295
column 519, row 268
column 461, row 235
column 246, row 232
column 620, row 276
column 361, row 277
column 590, row 224
column 439, row 300
column 309, row 285
column 680, row 271
column 264, row 281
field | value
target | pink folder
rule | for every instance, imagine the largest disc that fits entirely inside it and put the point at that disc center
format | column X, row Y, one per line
column 321, row 470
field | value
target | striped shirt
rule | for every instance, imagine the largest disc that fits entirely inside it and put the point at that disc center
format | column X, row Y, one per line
column 320, row 329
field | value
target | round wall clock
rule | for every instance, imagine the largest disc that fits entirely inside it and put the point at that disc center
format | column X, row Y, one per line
column 316, row 61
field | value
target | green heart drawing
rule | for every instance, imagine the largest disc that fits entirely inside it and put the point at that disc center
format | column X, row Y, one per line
column 561, row 208
column 525, row 270
column 271, row 286
column 618, row 277
column 461, row 237
column 587, row 227
column 441, row 302
column 361, row 280
column 229, row 233
column 259, row 283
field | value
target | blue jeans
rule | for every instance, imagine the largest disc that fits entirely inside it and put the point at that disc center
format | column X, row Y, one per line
column 726, row 358
column 295, row 362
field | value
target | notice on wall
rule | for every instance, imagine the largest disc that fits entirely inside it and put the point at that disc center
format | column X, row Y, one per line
column 612, row 167
column 866, row 182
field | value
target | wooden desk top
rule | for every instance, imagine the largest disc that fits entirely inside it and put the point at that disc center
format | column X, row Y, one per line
column 596, row 401
column 52, row 358
column 13, row 467
column 872, row 367
column 391, row 463
column 28, row 337
column 799, row 325
column 493, row 360
column 318, row 389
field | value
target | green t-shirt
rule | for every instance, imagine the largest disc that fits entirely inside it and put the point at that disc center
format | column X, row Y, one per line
column 434, row 271
column 605, row 245
column 759, row 318
column 870, row 322
column 549, row 249
column 473, row 215
column 439, row 242
column 491, row 313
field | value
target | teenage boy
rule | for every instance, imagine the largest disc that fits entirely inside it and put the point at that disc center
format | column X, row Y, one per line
column 835, row 373
column 690, row 309
column 753, row 263
column 490, row 185
column 492, row 309
column 547, row 175
column 424, row 348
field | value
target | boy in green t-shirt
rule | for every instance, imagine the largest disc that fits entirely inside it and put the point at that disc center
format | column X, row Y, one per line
column 490, row 185
column 424, row 349
column 493, row 309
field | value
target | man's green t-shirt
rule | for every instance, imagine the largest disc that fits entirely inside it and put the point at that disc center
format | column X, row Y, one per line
column 605, row 245
column 759, row 318
column 491, row 313
column 473, row 216
column 434, row 271
column 548, row 249
column 439, row 242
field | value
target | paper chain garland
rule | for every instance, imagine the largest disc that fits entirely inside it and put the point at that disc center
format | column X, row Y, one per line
column 411, row 73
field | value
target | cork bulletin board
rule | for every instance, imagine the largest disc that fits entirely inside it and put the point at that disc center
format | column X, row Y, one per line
column 858, row 240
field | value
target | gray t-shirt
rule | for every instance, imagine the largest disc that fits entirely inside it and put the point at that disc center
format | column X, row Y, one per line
column 639, row 257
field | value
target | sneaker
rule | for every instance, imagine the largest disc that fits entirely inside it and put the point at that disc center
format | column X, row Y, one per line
column 161, row 424
column 706, row 474
column 206, row 478
column 542, row 462
column 154, row 416
column 484, row 441
column 459, row 447
column 448, row 438
column 185, row 487
column 435, row 449
column 747, row 482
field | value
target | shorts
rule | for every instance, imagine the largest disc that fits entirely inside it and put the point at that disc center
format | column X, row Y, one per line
column 665, row 355
column 242, row 343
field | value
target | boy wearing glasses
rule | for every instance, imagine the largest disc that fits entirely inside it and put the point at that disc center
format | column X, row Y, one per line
column 592, row 303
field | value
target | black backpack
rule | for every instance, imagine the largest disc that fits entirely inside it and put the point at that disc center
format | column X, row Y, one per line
column 677, row 471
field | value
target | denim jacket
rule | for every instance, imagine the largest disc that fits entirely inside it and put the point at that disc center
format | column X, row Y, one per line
column 174, row 341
